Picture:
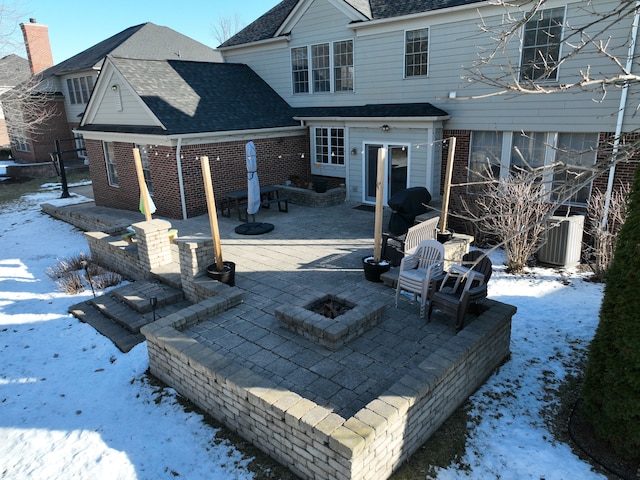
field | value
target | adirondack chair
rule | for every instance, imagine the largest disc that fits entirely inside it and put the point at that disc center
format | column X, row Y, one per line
column 421, row 271
column 394, row 247
column 462, row 287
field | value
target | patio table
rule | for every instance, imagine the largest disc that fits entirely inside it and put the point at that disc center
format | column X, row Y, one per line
column 237, row 199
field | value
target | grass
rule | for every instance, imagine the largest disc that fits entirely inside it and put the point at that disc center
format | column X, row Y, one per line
column 12, row 189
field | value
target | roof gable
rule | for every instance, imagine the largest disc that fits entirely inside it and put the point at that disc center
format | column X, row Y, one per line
column 199, row 97
column 145, row 41
column 273, row 22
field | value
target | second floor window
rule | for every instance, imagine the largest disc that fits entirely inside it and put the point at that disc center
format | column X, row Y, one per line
column 110, row 160
column 323, row 67
column 541, row 42
column 416, row 57
column 80, row 89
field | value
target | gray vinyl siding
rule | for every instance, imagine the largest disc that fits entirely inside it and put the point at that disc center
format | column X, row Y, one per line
column 455, row 39
column 132, row 113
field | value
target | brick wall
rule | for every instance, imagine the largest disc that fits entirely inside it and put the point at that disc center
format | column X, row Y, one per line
column 278, row 158
column 54, row 127
column 311, row 440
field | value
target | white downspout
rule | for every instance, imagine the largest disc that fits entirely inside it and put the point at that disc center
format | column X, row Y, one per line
column 621, row 110
column 183, row 200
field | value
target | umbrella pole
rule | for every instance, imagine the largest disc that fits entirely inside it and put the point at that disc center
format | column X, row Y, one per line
column 211, row 208
column 447, row 185
column 144, row 194
column 377, row 241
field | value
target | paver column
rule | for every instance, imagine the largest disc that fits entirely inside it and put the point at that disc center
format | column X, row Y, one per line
column 195, row 254
column 154, row 248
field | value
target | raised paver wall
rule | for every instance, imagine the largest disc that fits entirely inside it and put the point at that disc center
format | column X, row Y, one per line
column 303, row 196
column 152, row 249
column 313, row 442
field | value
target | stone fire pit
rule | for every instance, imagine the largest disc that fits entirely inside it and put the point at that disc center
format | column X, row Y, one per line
column 310, row 321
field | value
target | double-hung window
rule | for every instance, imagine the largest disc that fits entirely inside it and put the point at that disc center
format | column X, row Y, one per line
column 416, row 55
column 146, row 169
column 323, row 67
column 563, row 162
column 541, row 41
column 110, row 160
column 80, row 89
column 329, row 146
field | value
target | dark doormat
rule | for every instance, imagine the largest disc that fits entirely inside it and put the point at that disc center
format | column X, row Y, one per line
column 366, row 208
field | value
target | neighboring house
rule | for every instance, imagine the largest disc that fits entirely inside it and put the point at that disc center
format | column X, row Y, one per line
column 13, row 70
column 359, row 75
column 72, row 81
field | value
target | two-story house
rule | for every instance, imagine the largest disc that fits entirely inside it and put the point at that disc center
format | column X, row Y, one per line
column 359, row 75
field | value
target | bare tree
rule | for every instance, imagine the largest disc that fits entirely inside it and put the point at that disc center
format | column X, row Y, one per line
column 227, row 27
column 603, row 235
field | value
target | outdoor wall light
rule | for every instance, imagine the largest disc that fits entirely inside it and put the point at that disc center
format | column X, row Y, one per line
column 385, row 128
column 354, row 151
column 114, row 88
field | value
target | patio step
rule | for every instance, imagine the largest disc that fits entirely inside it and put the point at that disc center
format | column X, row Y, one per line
column 120, row 336
column 120, row 313
column 137, row 295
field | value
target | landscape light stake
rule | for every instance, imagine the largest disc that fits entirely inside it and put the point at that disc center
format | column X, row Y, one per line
column 153, row 301
column 85, row 265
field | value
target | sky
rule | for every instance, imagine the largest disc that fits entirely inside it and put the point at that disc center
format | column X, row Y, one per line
column 76, row 26
column 82, row 409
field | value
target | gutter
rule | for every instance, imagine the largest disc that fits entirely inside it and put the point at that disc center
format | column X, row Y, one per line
column 621, row 111
column 183, row 200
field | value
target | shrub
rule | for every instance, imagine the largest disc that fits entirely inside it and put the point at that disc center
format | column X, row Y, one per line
column 611, row 391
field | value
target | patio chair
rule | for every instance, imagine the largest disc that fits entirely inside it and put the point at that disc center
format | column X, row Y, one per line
column 421, row 271
column 394, row 247
column 462, row 287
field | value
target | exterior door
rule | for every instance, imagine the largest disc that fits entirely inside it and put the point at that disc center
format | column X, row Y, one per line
column 397, row 170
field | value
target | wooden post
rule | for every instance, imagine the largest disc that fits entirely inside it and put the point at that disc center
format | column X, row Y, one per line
column 211, row 208
column 377, row 240
column 144, row 193
column 447, row 185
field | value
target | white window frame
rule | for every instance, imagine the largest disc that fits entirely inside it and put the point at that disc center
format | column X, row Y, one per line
column 334, row 161
column 537, row 46
column 312, row 67
column 146, row 168
column 550, row 152
column 80, row 144
column 110, row 163
column 406, row 53
column 21, row 145
column 80, row 89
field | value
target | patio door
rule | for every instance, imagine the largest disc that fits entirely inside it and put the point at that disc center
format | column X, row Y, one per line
column 397, row 170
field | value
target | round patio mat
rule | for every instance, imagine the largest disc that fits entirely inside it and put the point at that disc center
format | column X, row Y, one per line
column 254, row 228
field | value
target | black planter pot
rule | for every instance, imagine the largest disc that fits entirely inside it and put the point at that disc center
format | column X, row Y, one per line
column 320, row 185
column 444, row 237
column 227, row 275
column 372, row 270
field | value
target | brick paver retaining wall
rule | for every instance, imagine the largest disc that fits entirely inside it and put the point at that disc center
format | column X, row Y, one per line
column 311, row 440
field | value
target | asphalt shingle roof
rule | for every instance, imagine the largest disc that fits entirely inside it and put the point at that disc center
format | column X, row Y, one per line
column 13, row 70
column 268, row 24
column 372, row 111
column 146, row 41
column 197, row 97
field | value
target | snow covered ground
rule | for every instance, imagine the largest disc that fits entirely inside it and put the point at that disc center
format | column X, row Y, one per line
column 73, row 406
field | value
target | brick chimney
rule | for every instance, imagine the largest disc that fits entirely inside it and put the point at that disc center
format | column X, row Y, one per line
column 36, row 40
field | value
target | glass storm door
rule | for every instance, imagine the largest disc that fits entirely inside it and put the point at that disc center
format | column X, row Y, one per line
column 397, row 169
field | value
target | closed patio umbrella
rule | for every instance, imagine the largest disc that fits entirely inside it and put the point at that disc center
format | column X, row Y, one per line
column 253, row 185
